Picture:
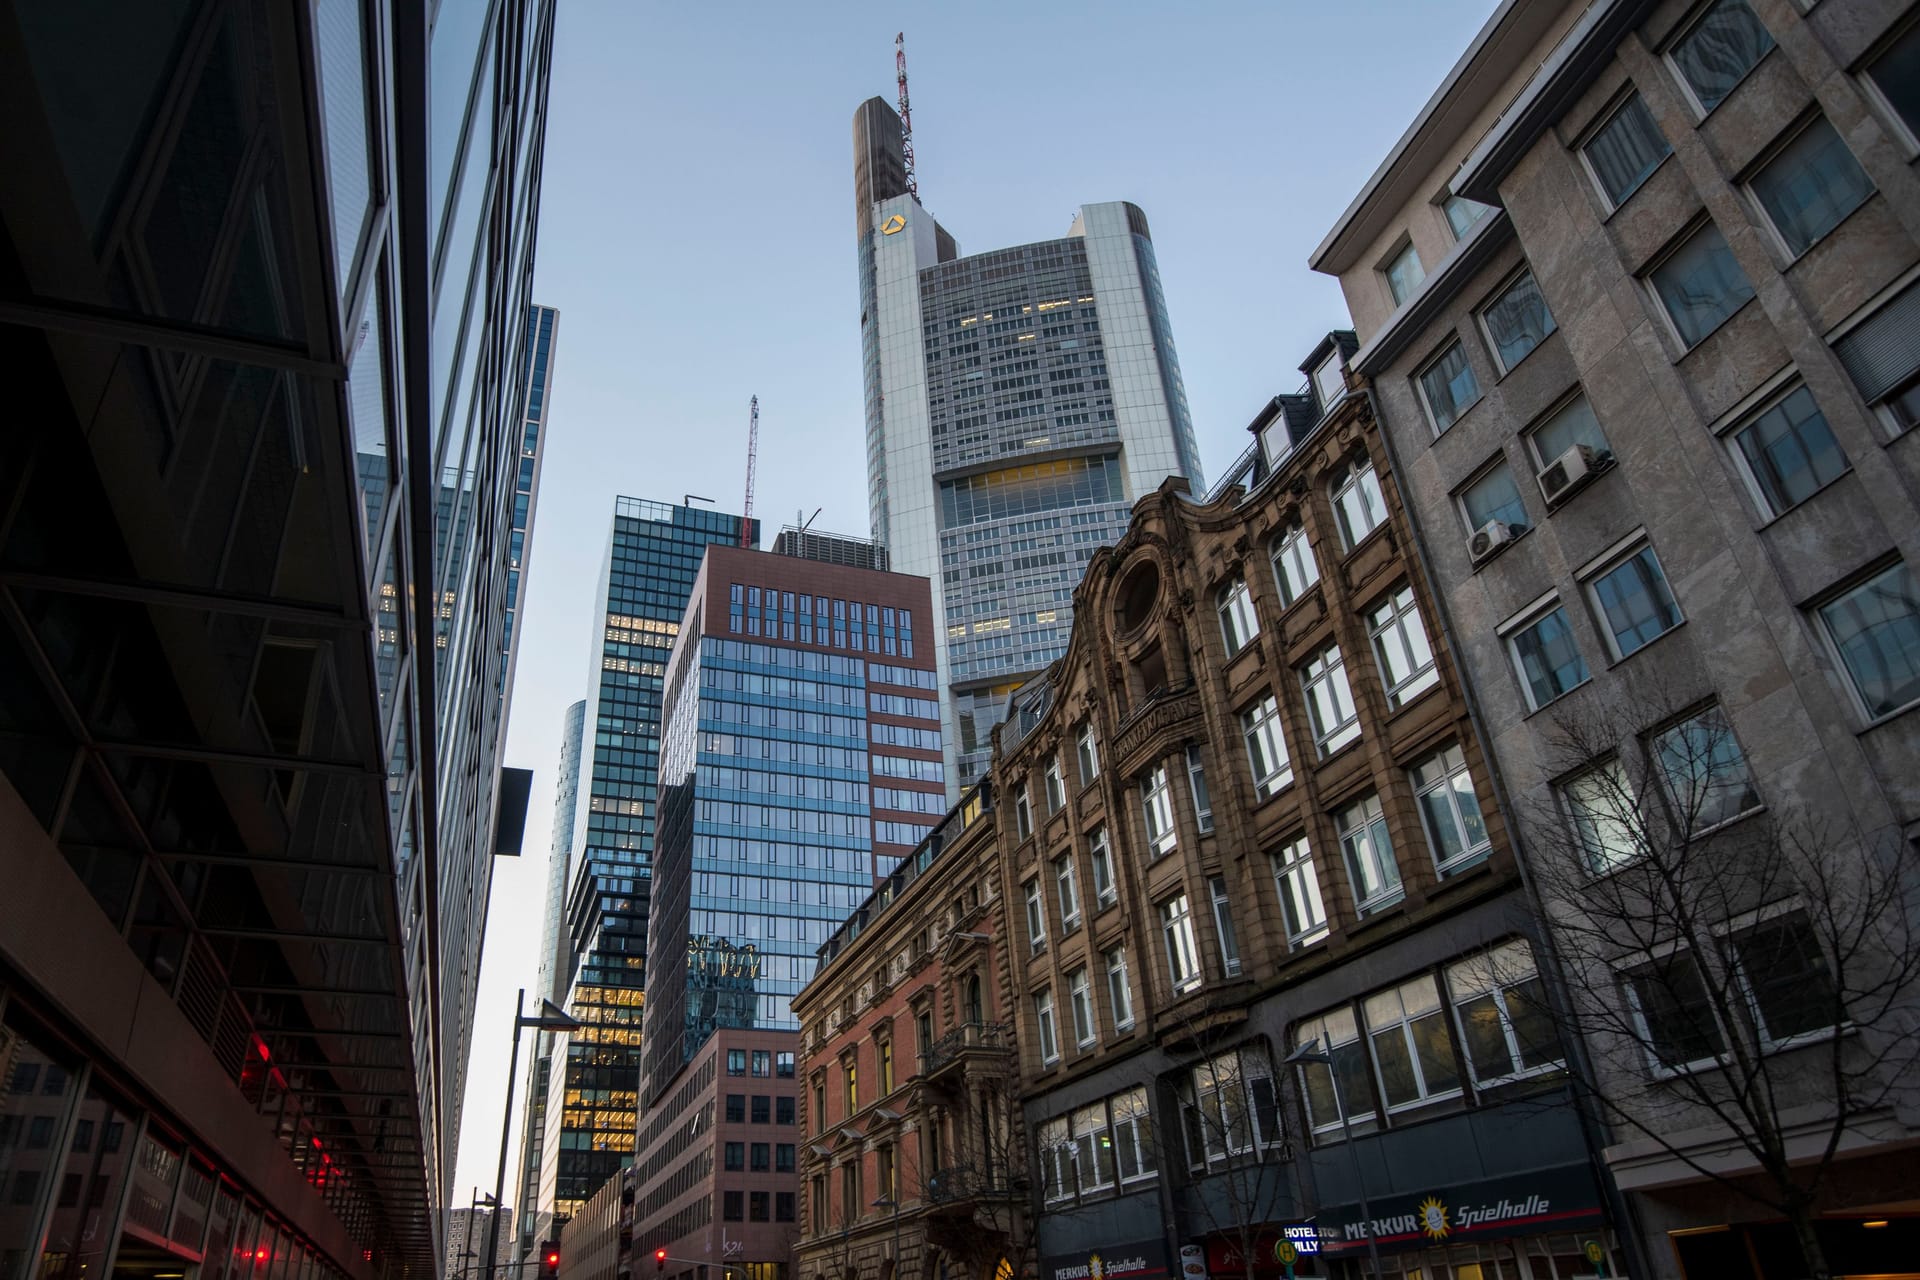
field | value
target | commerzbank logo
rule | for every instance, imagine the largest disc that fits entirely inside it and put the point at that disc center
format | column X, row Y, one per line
column 894, row 225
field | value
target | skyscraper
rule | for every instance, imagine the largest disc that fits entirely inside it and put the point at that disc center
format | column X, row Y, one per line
column 268, row 271
column 799, row 761
column 653, row 556
column 1017, row 402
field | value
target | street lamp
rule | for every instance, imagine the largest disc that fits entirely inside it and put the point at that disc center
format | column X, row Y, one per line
column 473, row 1211
column 550, row 1018
column 1311, row 1052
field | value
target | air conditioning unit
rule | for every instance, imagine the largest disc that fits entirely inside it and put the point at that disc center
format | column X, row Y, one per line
column 1567, row 472
column 1490, row 537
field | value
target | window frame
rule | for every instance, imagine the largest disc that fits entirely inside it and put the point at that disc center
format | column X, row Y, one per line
column 1156, row 807
column 1066, row 884
column 1649, row 280
column 1471, row 854
column 1499, row 463
column 1239, row 621
column 1851, row 586
column 1224, row 935
column 1729, row 936
column 1319, row 1028
column 1106, row 890
column 1596, row 858
column 1657, row 1066
column 1908, row 133
column 1500, row 291
column 1182, row 944
column 1119, row 986
column 1023, row 811
column 1680, row 37
column 1747, row 418
column 1086, row 1022
column 1532, row 431
column 1087, row 754
column 1401, row 604
column 1609, row 203
column 1369, row 822
column 1262, row 729
column 1197, row 787
column 1494, row 983
column 1359, row 475
column 1772, row 156
column 1330, row 741
column 1293, row 868
column 1047, row 1037
column 1445, row 204
column 1036, row 916
column 1605, row 565
column 1426, row 399
column 1678, row 806
column 1280, row 556
column 1525, row 622
column 1404, row 1023
column 1402, row 248
column 1055, row 787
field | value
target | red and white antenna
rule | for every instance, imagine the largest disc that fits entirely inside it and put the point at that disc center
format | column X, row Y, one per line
column 906, row 112
column 753, row 453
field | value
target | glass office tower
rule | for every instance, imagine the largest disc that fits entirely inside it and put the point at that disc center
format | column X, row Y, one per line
column 653, row 556
column 799, row 762
column 267, row 272
column 1017, row 402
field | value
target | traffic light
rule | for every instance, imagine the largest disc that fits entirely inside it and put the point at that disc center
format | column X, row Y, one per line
column 660, row 1260
column 550, row 1260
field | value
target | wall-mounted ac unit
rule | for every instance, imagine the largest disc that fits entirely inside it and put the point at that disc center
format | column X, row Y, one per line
column 1490, row 537
column 1567, row 472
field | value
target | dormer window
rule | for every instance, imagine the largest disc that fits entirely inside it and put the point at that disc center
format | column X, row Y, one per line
column 1330, row 382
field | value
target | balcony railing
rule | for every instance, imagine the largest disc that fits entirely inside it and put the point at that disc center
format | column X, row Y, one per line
column 988, row 1038
column 959, row 1183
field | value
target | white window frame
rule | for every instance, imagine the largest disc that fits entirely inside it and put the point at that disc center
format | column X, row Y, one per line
column 1491, row 975
column 1223, row 926
column 1059, row 1168
column 1197, row 785
column 1087, row 753
column 1332, row 1030
column 1329, row 668
column 1297, row 882
column 1824, row 626
column 1359, row 825
column 1746, row 417
column 1067, row 884
column 1239, row 624
column 1402, row 248
column 1478, row 218
column 1531, row 432
column 1036, row 917
column 1219, row 1087
column 1119, row 990
column 1452, row 761
column 1643, row 1030
column 1086, row 1027
column 1291, row 551
column 1596, row 856
column 1904, row 132
column 1403, row 1022
column 1156, row 807
column 1402, row 622
column 1603, row 565
column 1666, row 780
column 1023, row 812
column 1106, row 891
column 1729, row 936
column 1360, row 477
column 1049, row 1040
column 1182, row 944
column 1056, row 788
column 1499, row 462
column 1265, row 736
column 1132, row 1121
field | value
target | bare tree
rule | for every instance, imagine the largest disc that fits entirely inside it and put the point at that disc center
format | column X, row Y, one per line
column 1234, row 1136
column 1744, row 977
column 985, row 1168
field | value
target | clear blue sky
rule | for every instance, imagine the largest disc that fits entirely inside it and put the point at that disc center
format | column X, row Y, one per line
column 697, row 236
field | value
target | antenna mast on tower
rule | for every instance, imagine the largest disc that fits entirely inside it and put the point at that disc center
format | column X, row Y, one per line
column 906, row 113
column 753, row 453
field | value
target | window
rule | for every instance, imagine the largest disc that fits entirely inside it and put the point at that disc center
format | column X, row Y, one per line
column 1266, row 748
column 1704, row 772
column 1238, row 624
column 1056, row 789
column 1717, row 51
column 1119, row 993
column 762, row 1161
column 1810, row 186
column 763, row 1062
column 783, row 1203
column 1493, row 496
column 736, row 1062
column 1230, row 1107
column 1571, row 425
column 1294, row 568
column 1197, row 782
column 1517, row 321
column 732, row 1206
column 1100, row 854
column 1338, row 1087
column 1464, row 214
column 852, row 1074
column 1023, row 812
column 1335, row 720
column 1700, row 285
column 1673, row 1013
column 1080, row 1000
column 1604, row 815
column 1156, row 803
column 1875, row 628
column 923, row 1032
column 1404, row 273
column 820, row 1106
column 1133, row 1134
column 1036, row 916
column 1358, row 503
column 1183, row 951
column 1299, row 889
column 1788, row 453
column 1330, row 381
column 1785, row 979
column 762, row 1108
column 1369, row 853
column 783, row 1064
column 1043, row 1014
column 1448, row 387
column 1223, row 926
column 886, row 1067
column 736, row 1108
column 1624, row 150
column 1546, row 656
column 1882, row 357
column 735, row 1157
column 852, row 1203
column 1412, row 1050
column 1633, row 602
column 1089, row 753
column 1500, row 1004
column 884, row 1180
column 1063, row 879
column 1895, row 76
column 1400, row 643
column 783, row 1110
column 1455, row 830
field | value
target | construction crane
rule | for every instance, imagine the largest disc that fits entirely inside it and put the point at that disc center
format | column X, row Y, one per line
column 753, row 454
column 906, row 113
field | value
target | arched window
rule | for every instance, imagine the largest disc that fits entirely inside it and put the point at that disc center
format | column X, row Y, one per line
column 976, row 1005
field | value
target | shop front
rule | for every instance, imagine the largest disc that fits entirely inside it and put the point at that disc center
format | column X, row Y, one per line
column 1122, row 1260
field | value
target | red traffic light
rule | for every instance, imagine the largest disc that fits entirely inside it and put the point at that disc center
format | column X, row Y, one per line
column 553, row 1257
column 660, row 1259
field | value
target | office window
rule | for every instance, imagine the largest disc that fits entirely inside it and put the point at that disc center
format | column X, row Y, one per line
column 1785, row 979
column 1133, row 1134
column 783, row 1110
column 1517, row 321
column 735, row 1158
column 1506, row 1026
column 1294, row 568
column 733, row 1206
column 1368, row 850
column 1156, row 804
column 1412, row 1049
column 1718, row 50
column 1080, row 1000
column 763, row 1062
column 736, row 1062
column 1455, row 830
column 762, row 1161
column 1464, row 214
column 1229, row 1106
column 1811, row 185
column 1895, row 76
column 1023, row 812
column 1197, row 782
column 1358, row 503
column 737, row 1108
column 1674, row 1015
column 1632, row 601
column 1238, row 624
column 1119, row 992
column 1404, row 273
column 1700, row 285
column 1400, row 643
column 1036, row 916
column 1605, row 816
column 1788, row 452
column 1266, row 747
column 1704, row 772
column 1447, row 386
column 1332, row 1089
column 1624, row 150
column 1493, row 496
column 762, row 1108
column 1088, row 752
column 1183, row 949
column 783, row 1064
column 783, row 1203
column 1882, row 357
column 1547, row 657
column 1056, row 789
column 1295, row 880
column 1100, row 854
column 1069, row 890
column 1223, row 926
column 1334, row 719
column 1875, row 628
column 1043, row 1014
column 1572, row 424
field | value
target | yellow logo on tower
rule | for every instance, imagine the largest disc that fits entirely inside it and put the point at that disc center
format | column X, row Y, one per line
column 1433, row 1218
column 894, row 225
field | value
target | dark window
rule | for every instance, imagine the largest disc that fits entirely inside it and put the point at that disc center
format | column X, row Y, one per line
column 759, row 1202
column 730, row 1209
column 760, row 1158
column 736, row 1156
column 783, row 1206
column 760, row 1108
column 736, row 1064
column 736, row 1108
column 783, row 1110
column 783, row 1158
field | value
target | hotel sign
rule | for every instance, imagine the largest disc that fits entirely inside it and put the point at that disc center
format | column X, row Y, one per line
column 1524, row 1204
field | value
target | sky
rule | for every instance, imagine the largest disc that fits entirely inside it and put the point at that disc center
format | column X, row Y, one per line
column 697, row 236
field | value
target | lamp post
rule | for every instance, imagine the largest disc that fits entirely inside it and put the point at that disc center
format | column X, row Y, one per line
column 473, row 1211
column 1311, row 1052
column 550, row 1018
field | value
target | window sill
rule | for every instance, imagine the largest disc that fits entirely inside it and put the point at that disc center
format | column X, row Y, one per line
column 1262, row 799
column 1508, row 371
column 1364, row 539
column 1557, row 698
column 1724, row 823
column 1795, row 259
column 1708, row 336
column 1776, row 517
column 1620, row 661
column 1626, row 197
column 1882, row 721
column 1461, row 868
column 1395, row 708
column 1439, row 431
column 1328, row 757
